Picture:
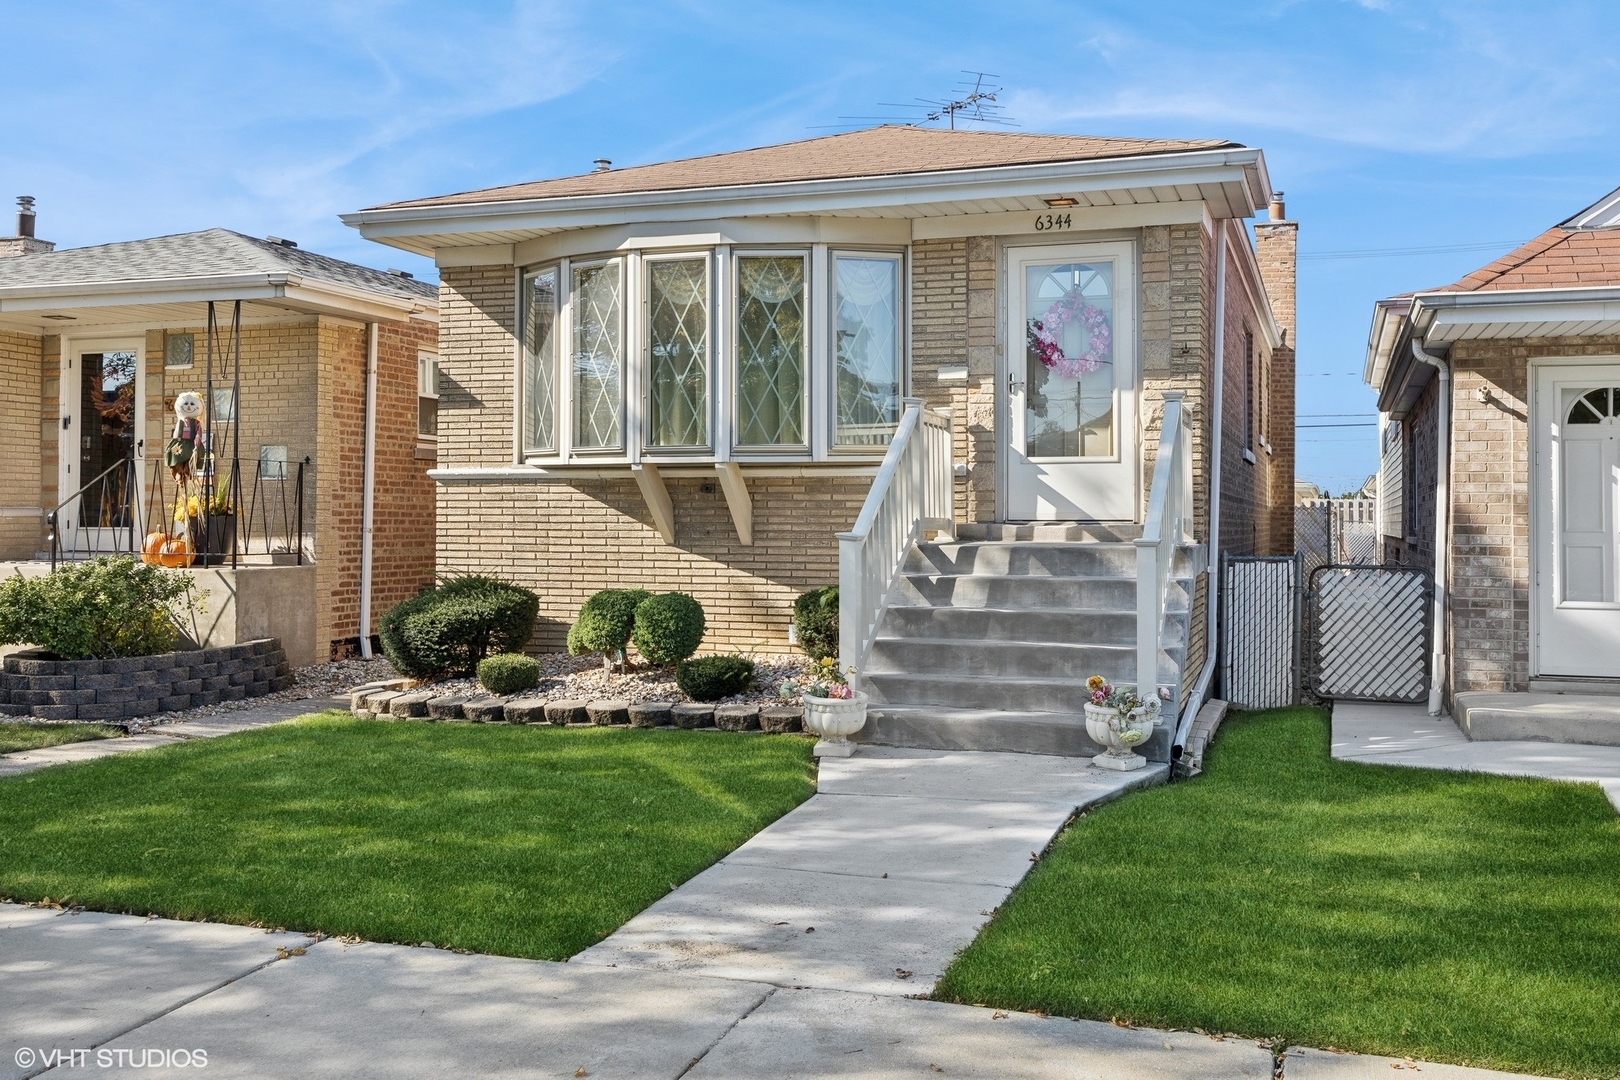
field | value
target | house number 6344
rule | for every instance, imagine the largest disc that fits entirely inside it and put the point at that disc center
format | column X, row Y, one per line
column 1045, row 222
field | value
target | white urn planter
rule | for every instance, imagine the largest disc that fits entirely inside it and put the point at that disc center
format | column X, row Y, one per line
column 1105, row 726
column 835, row 720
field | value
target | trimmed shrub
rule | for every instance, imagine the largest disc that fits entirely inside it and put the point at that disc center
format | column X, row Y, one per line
column 710, row 678
column 508, row 673
column 605, row 622
column 449, row 628
column 112, row 606
column 668, row 628
column 815, row 618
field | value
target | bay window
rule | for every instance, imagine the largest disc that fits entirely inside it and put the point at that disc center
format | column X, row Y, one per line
column 770, row 350
column 866, row 348
column 678, row 352
column 721, row 353
column 596, row 300
column 539, row 377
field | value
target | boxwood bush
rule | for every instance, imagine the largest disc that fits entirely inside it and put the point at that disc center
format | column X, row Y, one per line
column 815, row 619
column 449, row 628
column 605, row 622
column 668, row 628
column 508, row 673
column 112, row 606
column 710, row 678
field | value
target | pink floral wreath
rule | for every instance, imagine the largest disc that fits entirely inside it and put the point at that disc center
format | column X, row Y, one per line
column 1047, row 331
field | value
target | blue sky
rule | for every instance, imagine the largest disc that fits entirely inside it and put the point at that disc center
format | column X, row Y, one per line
column 1392, row 125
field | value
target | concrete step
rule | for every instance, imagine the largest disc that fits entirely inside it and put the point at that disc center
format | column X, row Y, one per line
column 1034, row 559
column 1008, row 659
column 1047, row 593
column 1102, row 627
column 1489, row 716
column 1049, row 531
column 1057, row 733
column 1002, row 693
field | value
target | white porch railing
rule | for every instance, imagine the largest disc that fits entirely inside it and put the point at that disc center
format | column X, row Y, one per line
column 914, row 491
column 1168, row 524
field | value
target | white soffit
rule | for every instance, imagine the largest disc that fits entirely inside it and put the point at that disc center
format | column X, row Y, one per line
column 1531, row 314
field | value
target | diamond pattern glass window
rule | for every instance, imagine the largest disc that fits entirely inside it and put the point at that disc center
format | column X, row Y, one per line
column 867, row 316
column 598, row 354
column 677, row 346
column 770, row 350
column 540, row 362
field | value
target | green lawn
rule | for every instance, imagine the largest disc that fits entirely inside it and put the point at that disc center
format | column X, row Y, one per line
column 15, row 735
column 1283, row 895
column 523, row 841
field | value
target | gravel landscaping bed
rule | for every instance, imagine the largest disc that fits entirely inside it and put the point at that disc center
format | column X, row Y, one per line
column 582, row 678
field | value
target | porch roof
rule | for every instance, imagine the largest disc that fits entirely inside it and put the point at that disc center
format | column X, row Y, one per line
column 1563, row 283
column 169, row 280
column 885, row 172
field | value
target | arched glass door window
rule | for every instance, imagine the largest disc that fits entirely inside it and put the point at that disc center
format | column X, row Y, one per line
column 1595, row 406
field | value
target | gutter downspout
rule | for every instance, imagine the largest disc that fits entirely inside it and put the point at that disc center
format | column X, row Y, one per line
column 1214, row 416
column 368, row 490
column 1442, row 515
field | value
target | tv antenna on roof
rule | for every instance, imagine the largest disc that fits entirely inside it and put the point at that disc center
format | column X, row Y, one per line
column 973, row 103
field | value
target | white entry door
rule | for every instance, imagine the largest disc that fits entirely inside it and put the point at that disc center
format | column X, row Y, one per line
column 1070, row 383
column 103, row 407
column 1575, row 473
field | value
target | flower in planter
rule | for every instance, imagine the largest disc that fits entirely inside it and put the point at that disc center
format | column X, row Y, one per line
column 822, row 680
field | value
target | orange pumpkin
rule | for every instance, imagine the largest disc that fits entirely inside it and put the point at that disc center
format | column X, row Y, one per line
column 152, row 546
column 175, row 553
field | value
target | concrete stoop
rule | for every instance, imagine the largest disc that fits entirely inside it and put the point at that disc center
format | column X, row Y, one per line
column 1488, row 716
column 988, row 640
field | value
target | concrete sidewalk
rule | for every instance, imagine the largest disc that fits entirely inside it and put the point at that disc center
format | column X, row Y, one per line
column 202, row 727
column 1386, row 734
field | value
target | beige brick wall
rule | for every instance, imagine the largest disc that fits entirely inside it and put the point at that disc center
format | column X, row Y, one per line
column 22, row 367
column 1276, row 249
column 568, row 540
column 1489, row 570
column 477, row 365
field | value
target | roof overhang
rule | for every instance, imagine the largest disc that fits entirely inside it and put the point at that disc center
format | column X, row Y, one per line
column 67, row 306
column 1233, row 182
column 1439, row 319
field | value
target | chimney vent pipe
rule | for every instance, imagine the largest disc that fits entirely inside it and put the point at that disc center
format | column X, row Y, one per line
column 602, row 165
column 25, row 215
column 1279, row 211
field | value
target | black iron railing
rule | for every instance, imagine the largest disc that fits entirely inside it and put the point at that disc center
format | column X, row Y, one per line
column 221, row 527
column 101, row 518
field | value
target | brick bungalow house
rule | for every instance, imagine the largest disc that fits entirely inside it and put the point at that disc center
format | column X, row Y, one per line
column 96, row 343
column 1499, row 451
column 689, row 375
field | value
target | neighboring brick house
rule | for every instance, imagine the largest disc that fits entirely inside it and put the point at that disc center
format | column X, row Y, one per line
column 686, row 375
column 124, row 326
column 1517, row 378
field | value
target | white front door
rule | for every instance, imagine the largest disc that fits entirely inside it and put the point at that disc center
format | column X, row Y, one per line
column 1573, row 480
column 103, row 433
column 1069, row 387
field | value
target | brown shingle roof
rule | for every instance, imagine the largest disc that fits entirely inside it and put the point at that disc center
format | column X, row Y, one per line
column 1559, row 258
column 881, row 151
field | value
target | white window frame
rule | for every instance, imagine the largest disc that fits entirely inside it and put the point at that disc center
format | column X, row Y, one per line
column 902, row 343
column 629, row 383
column 643, row 345
column 427, row 361
column 520, row 380
column 809, row 416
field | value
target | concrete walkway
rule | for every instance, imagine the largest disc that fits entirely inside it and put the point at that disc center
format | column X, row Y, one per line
column 1407, row 735
column 202, row 727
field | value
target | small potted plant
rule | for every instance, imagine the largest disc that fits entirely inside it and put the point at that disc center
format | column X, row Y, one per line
column 832, row 708
column 1120, row 719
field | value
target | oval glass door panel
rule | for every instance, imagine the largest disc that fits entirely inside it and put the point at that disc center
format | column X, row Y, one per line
column 1069, row 360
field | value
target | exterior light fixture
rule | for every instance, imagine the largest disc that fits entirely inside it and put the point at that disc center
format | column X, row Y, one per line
column 1062, row 200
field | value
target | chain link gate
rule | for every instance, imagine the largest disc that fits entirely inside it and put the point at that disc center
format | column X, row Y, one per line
column 1369, row 633
column 1260, row 630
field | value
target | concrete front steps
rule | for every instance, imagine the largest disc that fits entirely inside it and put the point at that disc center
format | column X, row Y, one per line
column 1491, row 716
column 988, row 640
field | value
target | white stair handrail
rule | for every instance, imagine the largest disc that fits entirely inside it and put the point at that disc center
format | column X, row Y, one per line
column 1168, row 525
column 914, row 491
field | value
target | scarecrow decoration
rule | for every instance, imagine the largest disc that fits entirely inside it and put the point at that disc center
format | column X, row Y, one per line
column 183, row 451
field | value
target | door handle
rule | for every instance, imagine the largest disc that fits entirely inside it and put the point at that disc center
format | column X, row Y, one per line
column 1014, row 383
